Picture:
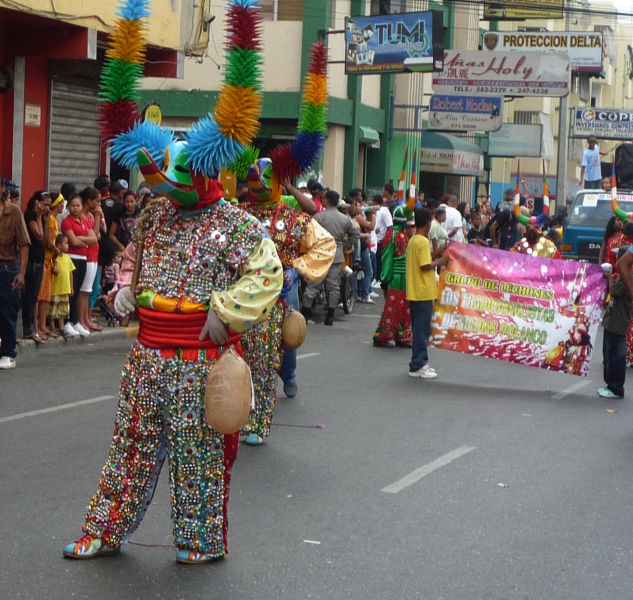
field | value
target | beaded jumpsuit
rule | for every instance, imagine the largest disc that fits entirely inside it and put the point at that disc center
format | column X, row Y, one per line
column 191, row 260
column 304, row 247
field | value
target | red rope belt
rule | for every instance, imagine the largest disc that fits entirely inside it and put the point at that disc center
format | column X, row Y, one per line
column 177, row 330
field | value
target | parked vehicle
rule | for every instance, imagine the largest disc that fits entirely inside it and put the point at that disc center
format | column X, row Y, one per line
column 586, row 221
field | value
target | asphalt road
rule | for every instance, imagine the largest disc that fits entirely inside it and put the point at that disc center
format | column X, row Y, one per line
column 494, row 481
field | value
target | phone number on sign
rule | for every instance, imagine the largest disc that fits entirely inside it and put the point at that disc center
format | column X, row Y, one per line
column 510, row 91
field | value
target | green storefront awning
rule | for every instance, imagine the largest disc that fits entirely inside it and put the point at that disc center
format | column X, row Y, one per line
column 444, row 153
column 368, row 135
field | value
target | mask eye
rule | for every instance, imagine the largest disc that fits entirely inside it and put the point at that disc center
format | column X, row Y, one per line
column 181, row 169
column 167, row 159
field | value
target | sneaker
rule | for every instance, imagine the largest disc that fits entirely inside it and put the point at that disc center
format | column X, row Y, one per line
column 424, row 372
column 81, row 330
column 339, row 306
column 376, row 285
column 367, row 301
column 290, row 389
column 605, row 392
column 69, row 331
column 374, row 294
column 193, row 557
column 6, row 362
column 89, row 546
column 252, row 439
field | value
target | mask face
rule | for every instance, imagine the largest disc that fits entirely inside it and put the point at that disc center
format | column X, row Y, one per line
column 175, row 181
column 262, row 181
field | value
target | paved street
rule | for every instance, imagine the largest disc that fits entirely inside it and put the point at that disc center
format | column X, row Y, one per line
column 494, row 481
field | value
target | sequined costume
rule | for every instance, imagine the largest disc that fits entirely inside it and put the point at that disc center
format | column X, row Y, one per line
column 395, row 320
column 217, row 257
column 304, row 247
column 540, row 247
column 206, row 267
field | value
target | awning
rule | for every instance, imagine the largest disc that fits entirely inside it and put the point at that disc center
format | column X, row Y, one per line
column 368, row 135
column 443, row 153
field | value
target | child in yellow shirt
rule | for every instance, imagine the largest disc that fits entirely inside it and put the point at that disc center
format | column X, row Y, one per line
column 62, row 287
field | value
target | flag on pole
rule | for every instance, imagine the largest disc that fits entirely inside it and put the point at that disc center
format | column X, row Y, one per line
column 517, row 191
column 411, row 202
column 614, row 185
column 545, row 192
column 403, row 178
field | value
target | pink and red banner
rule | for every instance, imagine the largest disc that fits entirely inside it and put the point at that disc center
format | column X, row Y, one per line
column 519, row 308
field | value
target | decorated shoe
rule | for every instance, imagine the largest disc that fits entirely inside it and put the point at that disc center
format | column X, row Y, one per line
column 193, row 557
column 89, row 546
column 252, row 439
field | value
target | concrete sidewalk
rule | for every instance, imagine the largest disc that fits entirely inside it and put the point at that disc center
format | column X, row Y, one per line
column 27, row 347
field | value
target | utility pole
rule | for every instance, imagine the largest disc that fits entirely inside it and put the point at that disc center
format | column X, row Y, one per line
column 563, row 132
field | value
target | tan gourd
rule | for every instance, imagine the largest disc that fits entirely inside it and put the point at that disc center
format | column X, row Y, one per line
column 293, row 329
column 228, row 393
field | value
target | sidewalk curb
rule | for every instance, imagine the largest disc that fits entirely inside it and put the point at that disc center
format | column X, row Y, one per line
column 29, row 347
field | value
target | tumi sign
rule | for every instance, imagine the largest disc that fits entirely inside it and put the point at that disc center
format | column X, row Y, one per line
column 584, row 48
column 453, row 162
column 479, row 72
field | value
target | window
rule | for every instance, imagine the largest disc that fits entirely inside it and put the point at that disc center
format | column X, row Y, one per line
column 526, row 117
column 282, row 10
column 386, row 7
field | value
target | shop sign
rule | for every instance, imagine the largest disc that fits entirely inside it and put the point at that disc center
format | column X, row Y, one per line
column 480, row 72
column 395, row 43
column 515, row 140
column 451, row 162
column 465, row 113
column 584, row 48
column 604, row 123
column 511, row 10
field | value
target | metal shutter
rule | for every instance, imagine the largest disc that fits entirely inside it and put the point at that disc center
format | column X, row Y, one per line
column 74, row 138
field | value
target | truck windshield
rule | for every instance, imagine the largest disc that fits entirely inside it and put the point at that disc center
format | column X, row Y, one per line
column 593, row 209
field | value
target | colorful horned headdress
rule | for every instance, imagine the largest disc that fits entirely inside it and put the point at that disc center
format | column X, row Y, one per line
column 182, row 170
column 291, row 160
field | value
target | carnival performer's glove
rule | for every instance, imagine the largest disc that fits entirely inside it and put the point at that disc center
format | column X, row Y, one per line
column 125, row 302
column 214, row 328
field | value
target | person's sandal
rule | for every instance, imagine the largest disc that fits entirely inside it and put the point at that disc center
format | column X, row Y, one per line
column 36, row 337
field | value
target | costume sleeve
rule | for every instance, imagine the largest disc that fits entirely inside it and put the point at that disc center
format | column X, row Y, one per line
column 320, row 249
column 249, row 300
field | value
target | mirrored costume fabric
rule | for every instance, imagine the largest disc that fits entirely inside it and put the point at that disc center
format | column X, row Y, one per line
column 305, row 247
column 215, row 256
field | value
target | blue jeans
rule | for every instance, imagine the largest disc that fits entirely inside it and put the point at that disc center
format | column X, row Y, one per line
column 614, row 359
column 289, row 358
column 374, row 266
column 9, row 306
column 364, row 285
column 421, row 315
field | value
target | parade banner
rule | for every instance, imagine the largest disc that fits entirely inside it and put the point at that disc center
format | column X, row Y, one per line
column 519, row 308
column 483, row 73
column 396, row 43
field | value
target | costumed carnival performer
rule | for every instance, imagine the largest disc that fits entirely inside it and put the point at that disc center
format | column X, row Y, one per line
column 304, row 247
column 395, row 320
column 206, row 273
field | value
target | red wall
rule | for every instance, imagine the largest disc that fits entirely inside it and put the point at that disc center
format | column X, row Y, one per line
column 34, row 157
column 6, row 111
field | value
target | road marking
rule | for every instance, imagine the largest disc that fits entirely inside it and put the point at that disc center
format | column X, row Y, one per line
column 43, row 411
column 308, row 355
column 571, row 389
column 311, row 542
column 424, row 470
column 362, row 316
